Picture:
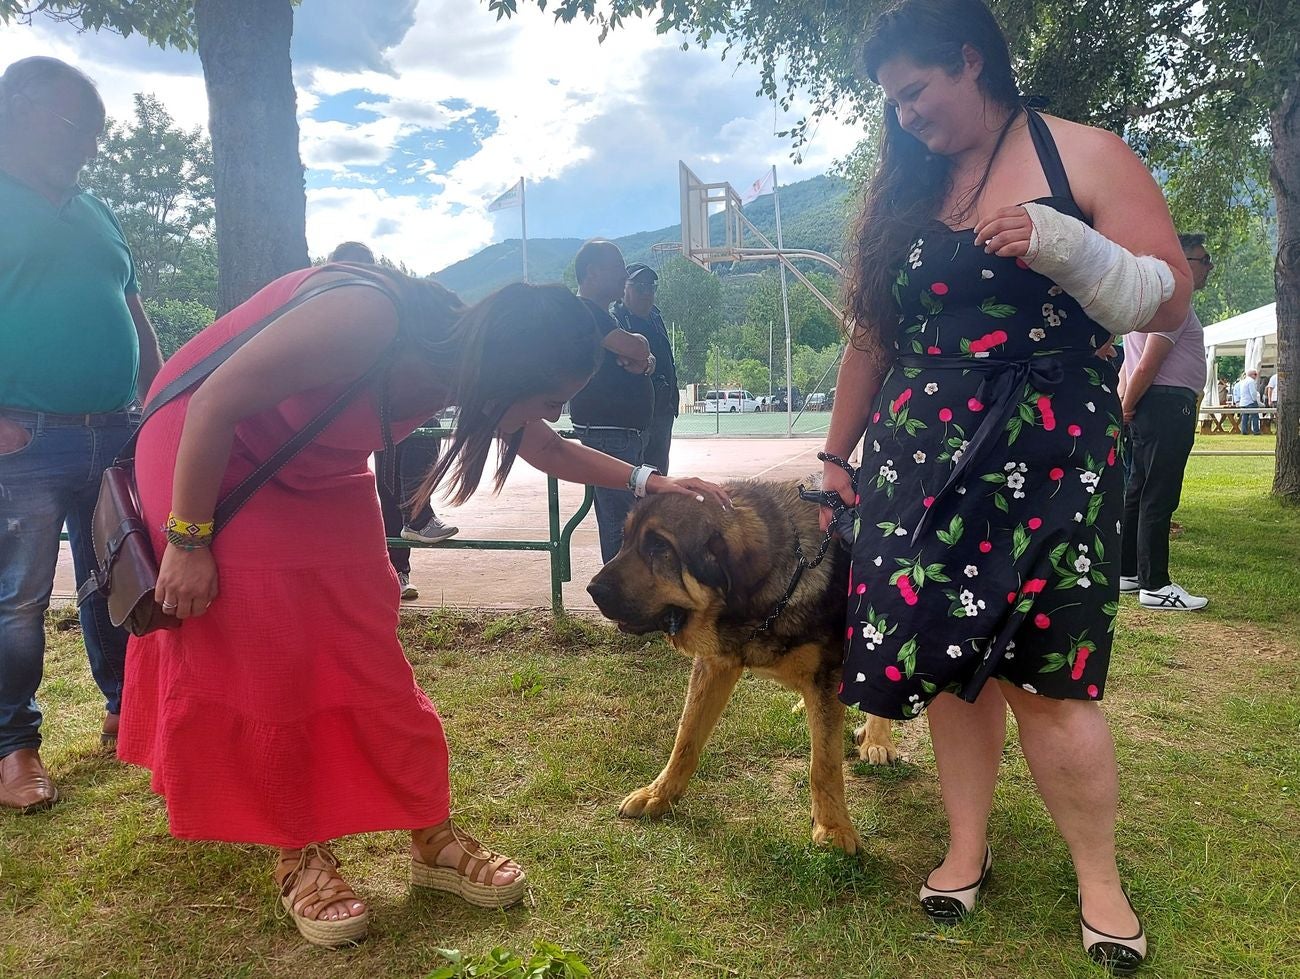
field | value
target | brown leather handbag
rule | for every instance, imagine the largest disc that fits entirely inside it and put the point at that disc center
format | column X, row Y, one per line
column 127, row 568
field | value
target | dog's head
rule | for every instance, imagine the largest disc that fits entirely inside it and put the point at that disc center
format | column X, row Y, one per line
column 681, row 559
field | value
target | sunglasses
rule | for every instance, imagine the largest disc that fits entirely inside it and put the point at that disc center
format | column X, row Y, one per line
column 75, row 129
column 1206, row 261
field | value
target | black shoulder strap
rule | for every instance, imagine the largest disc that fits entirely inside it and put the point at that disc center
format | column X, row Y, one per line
column 1049, row 157
column 237, row 497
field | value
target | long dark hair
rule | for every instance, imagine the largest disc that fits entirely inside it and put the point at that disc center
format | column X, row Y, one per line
column 518, row 343
column 911, row 183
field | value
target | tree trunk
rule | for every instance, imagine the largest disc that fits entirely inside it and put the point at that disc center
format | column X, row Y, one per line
column 1284, row 175
column 261, row 210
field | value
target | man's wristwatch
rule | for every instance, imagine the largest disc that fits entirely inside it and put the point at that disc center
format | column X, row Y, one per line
column 638, row 478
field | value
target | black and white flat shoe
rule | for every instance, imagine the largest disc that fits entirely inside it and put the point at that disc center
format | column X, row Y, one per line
column 947, row 907
column 1122, row 956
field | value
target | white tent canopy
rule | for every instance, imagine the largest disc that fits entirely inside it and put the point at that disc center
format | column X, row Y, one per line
column 1251, row 335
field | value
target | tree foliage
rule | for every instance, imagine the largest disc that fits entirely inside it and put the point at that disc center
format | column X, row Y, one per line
column 167, row 23
column 690, row 301
column 158, row 180
column 811, row 323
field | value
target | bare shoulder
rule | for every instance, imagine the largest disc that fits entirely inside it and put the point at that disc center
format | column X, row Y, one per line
column 1099, row 163
column 1087, row 144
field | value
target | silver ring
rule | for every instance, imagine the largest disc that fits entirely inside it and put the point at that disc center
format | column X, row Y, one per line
column 168, row 608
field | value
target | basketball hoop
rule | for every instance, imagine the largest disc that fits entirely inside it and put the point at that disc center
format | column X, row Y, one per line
column 735, row 238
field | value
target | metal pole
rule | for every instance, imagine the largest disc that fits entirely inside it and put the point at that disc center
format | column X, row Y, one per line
column 771, row 363
column 717, row 390
column 785, row 307
column 523, row 225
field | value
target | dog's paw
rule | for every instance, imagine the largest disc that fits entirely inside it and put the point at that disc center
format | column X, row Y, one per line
column 648, row 803
column 843, row 837
column 875, row 750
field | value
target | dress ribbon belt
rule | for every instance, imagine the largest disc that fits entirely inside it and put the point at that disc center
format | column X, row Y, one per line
column 1000, row 391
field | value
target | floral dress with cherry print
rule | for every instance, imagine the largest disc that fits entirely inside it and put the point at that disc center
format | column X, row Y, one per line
column 990, row 500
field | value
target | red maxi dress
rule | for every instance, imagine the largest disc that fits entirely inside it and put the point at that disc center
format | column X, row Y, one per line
column 288, row 713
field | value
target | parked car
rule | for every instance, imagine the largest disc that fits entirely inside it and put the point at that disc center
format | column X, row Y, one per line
column 732, row 400
column 816, row 402
column 778, row 399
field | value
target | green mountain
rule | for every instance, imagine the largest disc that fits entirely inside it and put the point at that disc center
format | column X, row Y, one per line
column 815, row 213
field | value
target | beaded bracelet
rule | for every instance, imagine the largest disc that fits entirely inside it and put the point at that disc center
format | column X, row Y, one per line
column 190, row 528
column 185, row 542
column 188, row 535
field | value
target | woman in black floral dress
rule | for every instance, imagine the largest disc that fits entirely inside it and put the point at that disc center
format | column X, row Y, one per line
column 989, row 498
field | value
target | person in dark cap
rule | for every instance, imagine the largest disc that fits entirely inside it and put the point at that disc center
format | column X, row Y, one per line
column 613, row 412
column 636, row 312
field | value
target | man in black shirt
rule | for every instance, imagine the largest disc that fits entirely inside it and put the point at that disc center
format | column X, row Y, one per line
column 613, row 412
column 637, row 313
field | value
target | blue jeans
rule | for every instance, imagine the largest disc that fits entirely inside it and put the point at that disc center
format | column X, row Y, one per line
column 1250, row 423
column 52, row 480
column 613, row 505
column 658, row 442
column 415, row 457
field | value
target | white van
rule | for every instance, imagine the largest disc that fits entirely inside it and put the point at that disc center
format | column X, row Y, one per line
column 729, row 401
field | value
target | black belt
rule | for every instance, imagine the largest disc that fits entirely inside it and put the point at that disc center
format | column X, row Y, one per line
column 999, row 392
column 606, row 428
column 89, row 420
column 1175, row 389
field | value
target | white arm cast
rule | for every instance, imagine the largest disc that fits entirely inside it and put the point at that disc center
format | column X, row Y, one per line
column 1117, row 289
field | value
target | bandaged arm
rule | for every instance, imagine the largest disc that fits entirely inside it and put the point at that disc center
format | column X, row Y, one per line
column 1117, row 289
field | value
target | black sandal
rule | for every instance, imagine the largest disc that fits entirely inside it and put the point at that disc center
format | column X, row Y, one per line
column 949, row 907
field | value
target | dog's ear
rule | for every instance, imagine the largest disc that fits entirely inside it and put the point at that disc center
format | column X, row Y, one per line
column 708, row 564
column 727, row 565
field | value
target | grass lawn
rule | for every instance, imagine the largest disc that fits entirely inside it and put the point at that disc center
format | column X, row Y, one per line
column 551, row 724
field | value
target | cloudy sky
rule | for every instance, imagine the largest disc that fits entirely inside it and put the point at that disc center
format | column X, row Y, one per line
column 416, row 113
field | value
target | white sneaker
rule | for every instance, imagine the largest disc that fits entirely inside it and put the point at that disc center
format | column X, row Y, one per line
column 408, row 589
column 432, row 532
column 1172, row 598
column 1128, row 585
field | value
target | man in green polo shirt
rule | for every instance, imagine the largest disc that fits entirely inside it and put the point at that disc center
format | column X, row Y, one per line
column 76, row 349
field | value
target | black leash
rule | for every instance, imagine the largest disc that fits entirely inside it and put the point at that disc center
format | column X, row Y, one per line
column 802, row 564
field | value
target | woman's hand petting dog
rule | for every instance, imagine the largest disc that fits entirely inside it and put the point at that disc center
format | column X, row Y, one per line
column 701, row 489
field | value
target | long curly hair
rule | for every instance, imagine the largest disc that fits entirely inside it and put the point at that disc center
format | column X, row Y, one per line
column 911, row 183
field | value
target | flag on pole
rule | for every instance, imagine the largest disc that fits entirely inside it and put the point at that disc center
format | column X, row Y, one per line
column 760, row 186
column 511, row 198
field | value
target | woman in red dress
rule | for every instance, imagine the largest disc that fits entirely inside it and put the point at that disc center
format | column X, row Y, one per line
column 283, row 710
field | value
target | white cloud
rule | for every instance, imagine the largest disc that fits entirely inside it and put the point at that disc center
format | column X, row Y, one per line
column 337, row 146
column 417, row 231
column 596, row 129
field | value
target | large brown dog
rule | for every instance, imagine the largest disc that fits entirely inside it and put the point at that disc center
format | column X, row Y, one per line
column 710, row 579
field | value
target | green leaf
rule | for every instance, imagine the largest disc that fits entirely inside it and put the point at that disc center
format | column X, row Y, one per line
column 991, row 307
column 994, row 478
column 956, row 528
column 1019, row 542
column 1000, row 502
column 1094, row 508
column 1053, row 663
